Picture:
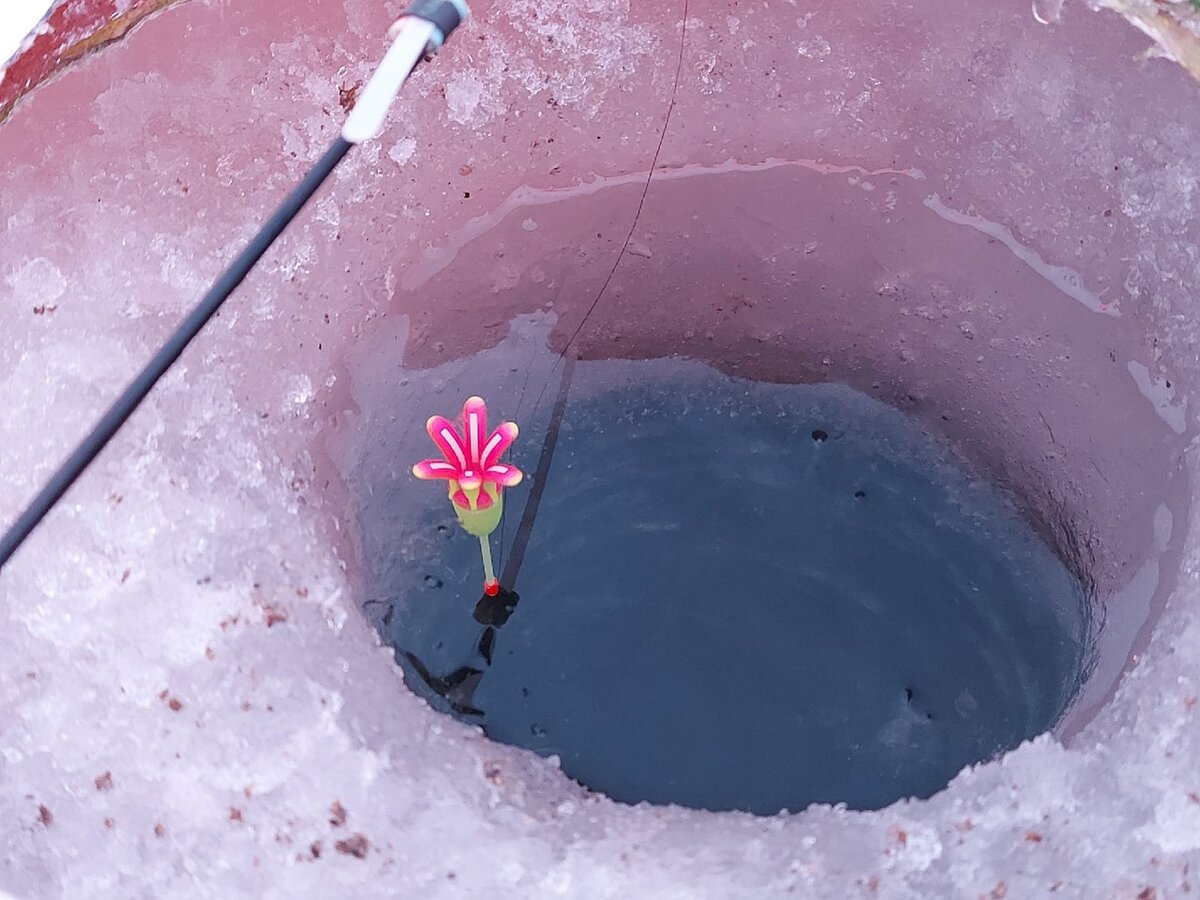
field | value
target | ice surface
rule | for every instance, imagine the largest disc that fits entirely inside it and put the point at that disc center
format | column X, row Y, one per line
column 191, row 704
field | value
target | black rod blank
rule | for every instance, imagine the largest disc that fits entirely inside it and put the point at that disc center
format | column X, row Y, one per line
column 137, row 391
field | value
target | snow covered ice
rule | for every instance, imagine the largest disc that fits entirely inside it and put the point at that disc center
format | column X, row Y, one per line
column 192, row 702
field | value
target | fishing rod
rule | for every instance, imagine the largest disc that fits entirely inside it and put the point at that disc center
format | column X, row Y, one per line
column 416, row 35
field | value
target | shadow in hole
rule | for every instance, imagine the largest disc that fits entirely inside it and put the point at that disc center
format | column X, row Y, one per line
column 458, row 688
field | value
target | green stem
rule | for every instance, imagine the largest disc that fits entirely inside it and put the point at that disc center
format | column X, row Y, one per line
column 488, row 572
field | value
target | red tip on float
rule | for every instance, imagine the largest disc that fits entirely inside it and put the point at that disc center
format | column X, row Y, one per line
column 491, row 588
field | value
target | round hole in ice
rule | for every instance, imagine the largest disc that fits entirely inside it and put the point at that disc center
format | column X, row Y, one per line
column 709, row 614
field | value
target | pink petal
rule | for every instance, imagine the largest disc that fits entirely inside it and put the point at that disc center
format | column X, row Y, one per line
column 429, row 469
column 460, row 499
column 470, row 480
column 474, row 427
column 504, row 475
column 447, row 440
column 500, row 441
column 483, row 501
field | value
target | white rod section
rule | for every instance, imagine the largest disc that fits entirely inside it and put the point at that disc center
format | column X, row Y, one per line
column 366, row 119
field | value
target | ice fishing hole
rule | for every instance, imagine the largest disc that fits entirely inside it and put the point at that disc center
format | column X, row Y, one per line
column 739, row 595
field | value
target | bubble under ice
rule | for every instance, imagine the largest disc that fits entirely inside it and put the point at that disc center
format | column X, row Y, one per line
column 190, row 702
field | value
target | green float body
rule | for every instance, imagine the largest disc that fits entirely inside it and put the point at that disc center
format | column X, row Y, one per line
column 479, row 522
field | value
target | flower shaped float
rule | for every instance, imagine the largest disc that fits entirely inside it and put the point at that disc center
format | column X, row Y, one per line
column 471, row 464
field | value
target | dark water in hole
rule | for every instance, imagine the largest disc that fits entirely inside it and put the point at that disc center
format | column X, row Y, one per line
column 749, row 596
